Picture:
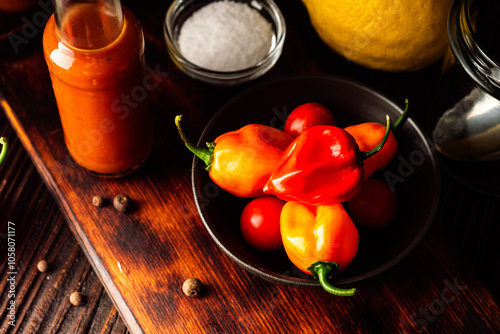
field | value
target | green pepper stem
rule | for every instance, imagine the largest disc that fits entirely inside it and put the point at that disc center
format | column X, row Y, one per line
column 5, row 146
column 322, row 270
column 401, row 118
column 205, row 154
column 363, row 155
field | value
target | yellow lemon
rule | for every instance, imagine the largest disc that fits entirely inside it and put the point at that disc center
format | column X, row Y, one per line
column 391, row 35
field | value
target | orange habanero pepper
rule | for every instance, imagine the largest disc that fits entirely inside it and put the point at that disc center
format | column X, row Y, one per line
column 241, row 161
column 368, row 135
column 320, row 240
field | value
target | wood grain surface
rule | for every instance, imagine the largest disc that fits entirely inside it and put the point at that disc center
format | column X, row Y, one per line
column 41, row 233
column 448, row 284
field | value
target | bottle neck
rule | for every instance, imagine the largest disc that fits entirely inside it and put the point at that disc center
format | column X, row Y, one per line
column 88, row 24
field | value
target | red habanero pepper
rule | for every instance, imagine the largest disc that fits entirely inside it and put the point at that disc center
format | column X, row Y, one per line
column 320, row 240
column 368, row 135
column 321, row 166
column 241, row 161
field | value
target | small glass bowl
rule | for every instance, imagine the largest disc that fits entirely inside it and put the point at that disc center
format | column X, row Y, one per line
column 181, row 10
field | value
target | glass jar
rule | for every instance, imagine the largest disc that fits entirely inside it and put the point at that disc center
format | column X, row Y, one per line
column 94, row 50
column 469, row 129
column 465, row 116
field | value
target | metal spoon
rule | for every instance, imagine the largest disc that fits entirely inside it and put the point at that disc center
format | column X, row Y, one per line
column 470, row 130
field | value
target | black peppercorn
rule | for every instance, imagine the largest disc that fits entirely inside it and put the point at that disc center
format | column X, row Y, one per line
column 122, row 203
column 76, row 298
column 97, row 201
column 192, row 287
column 42, row 266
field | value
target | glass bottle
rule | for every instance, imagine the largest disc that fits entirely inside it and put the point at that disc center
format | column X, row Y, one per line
column 94, row 50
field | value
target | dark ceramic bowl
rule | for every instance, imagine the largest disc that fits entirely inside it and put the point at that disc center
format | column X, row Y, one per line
column 414, row 175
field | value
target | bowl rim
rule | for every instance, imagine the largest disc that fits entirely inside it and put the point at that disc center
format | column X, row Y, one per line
column 278, row 21
column 310, row 282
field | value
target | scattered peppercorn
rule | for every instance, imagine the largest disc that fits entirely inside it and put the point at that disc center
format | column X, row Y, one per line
column 97, row 201
column 122, row 203
column 192, row 287
column 42, row 266
column 76, row 298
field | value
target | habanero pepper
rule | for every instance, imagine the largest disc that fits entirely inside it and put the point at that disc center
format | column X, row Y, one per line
column 3, row 153
column 321, row 166
column 320, row 240
column 241, row 161
column 368, row 135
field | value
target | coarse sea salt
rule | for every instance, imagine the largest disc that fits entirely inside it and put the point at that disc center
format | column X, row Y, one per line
column 225, row 36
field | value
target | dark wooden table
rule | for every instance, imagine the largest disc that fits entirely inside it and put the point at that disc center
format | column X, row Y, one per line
column 448, row 284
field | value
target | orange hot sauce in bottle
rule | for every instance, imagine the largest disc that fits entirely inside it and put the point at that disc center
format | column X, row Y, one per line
column 95, row 54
